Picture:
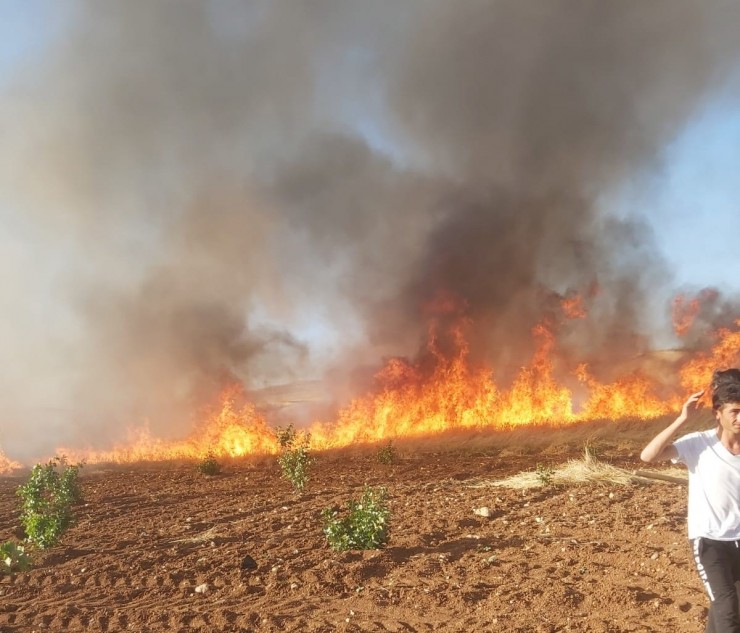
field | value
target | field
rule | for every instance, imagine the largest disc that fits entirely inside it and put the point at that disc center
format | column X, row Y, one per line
column 596, row 557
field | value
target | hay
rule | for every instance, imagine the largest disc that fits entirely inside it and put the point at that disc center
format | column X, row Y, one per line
column 587, row 470
column 208, row 535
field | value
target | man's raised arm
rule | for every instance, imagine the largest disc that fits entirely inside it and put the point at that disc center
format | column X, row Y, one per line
column 661, row 446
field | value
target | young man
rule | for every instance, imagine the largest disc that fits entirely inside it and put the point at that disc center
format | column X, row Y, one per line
column 713, row 460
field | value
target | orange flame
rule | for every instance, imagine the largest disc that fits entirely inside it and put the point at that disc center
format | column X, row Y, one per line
column 456, row 397
column 441, row 391
column 697, row 372
column 683, row 313
column 684, row 310
column 229, row 430
column 6, row 464
column 573, row 307
column 630, row 396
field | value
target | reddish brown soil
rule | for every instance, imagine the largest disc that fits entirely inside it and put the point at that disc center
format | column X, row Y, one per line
column 590, row 558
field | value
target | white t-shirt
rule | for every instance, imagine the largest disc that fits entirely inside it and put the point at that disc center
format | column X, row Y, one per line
column 714, row 486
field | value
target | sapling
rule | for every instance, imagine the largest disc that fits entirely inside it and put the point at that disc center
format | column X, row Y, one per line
column 544, row 474
column 364, row 526
column 294, row 459
column 13, row 558
column 209, row 465
column 387, row 454
column 47, row 499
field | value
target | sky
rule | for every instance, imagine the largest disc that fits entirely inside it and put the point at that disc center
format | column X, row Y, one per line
column 696, row 198
column 192, row 192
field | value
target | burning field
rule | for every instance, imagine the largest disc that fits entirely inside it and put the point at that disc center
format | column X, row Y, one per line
column 459, row 240
column 446, row 227
column 439, row 392
column 487, row 529
column 159, row 546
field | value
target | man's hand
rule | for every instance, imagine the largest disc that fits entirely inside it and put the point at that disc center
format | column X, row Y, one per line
column 660, row 447
column 693, row 399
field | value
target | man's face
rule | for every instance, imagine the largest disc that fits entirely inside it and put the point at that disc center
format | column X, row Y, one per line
column 728, row 416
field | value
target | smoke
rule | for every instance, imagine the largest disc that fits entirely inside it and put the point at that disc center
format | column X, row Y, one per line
column 540, row 108
column 204, row 191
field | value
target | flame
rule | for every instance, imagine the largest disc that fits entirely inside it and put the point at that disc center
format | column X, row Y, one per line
column 440, row 391
column 697, row 372
column 227, row 430
column 457, row 397
column 683, row 313
column 573, row 307
column 629, row 396
column 6, row 464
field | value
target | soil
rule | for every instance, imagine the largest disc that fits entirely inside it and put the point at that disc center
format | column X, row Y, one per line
column 590, row 557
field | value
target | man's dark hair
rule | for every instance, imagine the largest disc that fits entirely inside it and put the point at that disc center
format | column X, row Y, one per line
column 725, row 391
column 721, row 376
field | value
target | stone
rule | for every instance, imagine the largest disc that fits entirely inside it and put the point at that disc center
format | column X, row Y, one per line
column 248, row 563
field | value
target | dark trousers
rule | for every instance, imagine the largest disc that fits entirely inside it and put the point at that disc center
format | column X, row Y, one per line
column 718, row 564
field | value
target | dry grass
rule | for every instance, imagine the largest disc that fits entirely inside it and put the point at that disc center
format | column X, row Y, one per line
column 613, row 439
column 586, row 470
column 208, row 535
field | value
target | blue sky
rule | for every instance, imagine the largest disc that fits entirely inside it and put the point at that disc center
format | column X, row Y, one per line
column 696, row 199
column 27, row 29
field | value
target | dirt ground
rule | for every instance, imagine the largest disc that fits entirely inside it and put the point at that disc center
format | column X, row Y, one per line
column 590, row 557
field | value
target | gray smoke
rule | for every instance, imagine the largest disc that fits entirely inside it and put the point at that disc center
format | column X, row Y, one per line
column 540, row 108
column 192, row 188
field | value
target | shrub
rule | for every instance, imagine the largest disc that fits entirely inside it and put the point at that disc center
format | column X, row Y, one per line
column 294, row 460
column 209, row 465
column 387, row 454
column 365, row 526
column 544, row 474
column 13, row 558
column 48, row 496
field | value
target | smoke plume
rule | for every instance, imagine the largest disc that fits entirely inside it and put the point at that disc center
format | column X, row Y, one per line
column 203, row 191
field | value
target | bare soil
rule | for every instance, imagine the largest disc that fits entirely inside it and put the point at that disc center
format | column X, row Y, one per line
column 591, row 557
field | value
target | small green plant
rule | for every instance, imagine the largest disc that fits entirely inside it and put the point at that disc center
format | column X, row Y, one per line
column 294, row 460
column 387, row 454
column 365, row 526
column 544, row 474
column 209, row 465
column 47, row 499
column 13, row 558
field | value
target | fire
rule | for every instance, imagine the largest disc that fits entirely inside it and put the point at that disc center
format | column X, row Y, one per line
column 683, row 312
column 457, row 397
column 6, row 464
column 573, row 307
column 535, row 395
column 630, row 396
column 227, row 430
column 440, row 391
column 696, row 373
